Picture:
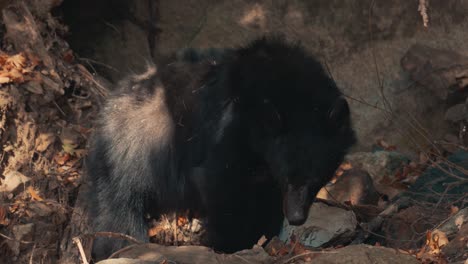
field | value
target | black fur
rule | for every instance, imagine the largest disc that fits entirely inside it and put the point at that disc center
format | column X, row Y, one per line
column 239, row 136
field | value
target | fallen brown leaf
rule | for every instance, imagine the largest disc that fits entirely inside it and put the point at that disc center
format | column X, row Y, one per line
column 454, row 209
column 154, row 231
column 4, row 79
column 34, row 194
column 61, row 158
column 181, row 221
column 3, row 216
column 385, row 145
column 43, row 141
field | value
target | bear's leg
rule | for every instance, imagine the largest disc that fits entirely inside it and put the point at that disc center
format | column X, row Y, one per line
column 120, row 211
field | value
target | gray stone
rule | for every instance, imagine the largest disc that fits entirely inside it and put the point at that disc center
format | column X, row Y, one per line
column 12, row 180
column 128, row 261
column 378, row 164
column 456, row 113
column 364, row 254
column 324, row 225
column 23, row 232
column 454, row 224
column 154, row 253
column 355, row 186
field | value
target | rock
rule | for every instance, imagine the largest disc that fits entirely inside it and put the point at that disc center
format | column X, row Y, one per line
column 129, row 261
column 381, row 165
column 457, row 248
column 12, row 180
column 435, row 69
column 355, row 186
column 456, row 113
column 23, row 232
column 196, row 226
column 154, row 253
column 20, row 233
column 364, row 254
column 451, row 143
column 324, row 226
column 401, row 228
column 454, row 224
column 40, row 209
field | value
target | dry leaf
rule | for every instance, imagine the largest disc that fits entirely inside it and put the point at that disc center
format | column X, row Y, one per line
column 17, row 61
column 262, row 241
column 438, row 240
column 43, row 141
column 34, row 195
column 454, row 209
column 62, row 158
column 70, row 140
column 3, row 216
column 346, row 165
column 4, row 79
column 154, row 231
column 181, row 221
column 13, row 68
column 69, row 148
column 80, row 153
column 385, row 145
column 68, row 56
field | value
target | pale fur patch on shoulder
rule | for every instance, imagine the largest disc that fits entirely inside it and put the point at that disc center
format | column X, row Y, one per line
column 151, row 71
column 137, row 129
column 225, row 121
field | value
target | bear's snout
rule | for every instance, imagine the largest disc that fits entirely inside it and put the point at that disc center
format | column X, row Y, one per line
column 296, row 204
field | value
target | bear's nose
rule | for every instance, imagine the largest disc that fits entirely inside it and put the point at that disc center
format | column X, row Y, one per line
column 296, row 218
column 295, row 204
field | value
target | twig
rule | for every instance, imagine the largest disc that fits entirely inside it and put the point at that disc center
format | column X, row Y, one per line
column 112, row 26
column 116, row 253
column 77, row 242
column 199, row 28
column 119, row 236
column 440, row 200
column 176, row 243
column 32, row 254
column 309, row 253
column 422, row 8
column 242, row 258
column 12, row 239
column 91, row 61
column 60, row 109
column 385, row 101
column 102, row 91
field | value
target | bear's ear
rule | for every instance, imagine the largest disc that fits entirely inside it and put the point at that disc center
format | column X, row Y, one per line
column 338, row 114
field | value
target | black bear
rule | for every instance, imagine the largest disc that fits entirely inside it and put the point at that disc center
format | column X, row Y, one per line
column 244, row 136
